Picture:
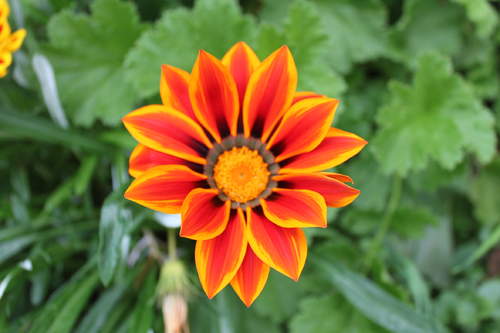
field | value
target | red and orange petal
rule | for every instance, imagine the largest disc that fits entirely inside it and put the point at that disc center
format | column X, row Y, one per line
column 338, row 176
column 295, row 208
column 169, row 131
column 241, row 61
column 4, row 32
column 174, row 90
column 218, row 259
column 269, row 93
column 163, row 188
column 15, row 40
column 337, row 147
column 214, row 96
column 303, row 127
column 284, row 249
column 333, row 190
column 143, row 158
column 250, row 278
column 204, row 215
column 4, row 10
column 5, row 61
column 301, row 95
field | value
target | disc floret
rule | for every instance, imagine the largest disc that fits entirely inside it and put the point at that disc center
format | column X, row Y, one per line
column 241, row 169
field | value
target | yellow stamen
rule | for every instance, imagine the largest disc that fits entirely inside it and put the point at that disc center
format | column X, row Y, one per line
column 241, row 174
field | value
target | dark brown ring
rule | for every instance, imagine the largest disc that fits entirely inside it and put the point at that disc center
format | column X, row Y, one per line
column 239, row 141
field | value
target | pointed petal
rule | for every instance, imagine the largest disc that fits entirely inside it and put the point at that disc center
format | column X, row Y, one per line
column 335, row 192
column 303, row 127
column 169, row 131
column 269, row 93
column 250, row 278
column 204, row 215
column 4, row 29
column 15, row 40
column 301, row 95
column 4, row 10
column 284, row 249
column 174, row 90
column 295, row 208
column 338, row 176
column 337, row 147
column 143, row 158
column 214, row 96
column 5, row 61
column 163, row 188
column 241, row 61
column 218, row 259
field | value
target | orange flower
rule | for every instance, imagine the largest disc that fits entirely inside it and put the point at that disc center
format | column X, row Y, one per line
column 238, row 152
column 9, row 42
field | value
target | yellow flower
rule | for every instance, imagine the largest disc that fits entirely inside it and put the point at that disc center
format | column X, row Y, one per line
column 9, row 42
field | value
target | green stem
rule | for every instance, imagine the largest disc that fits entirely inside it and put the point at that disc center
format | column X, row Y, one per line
column 172, row 243
column 386, row 222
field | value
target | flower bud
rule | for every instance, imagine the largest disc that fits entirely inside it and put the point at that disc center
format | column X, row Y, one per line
column 174, row 308
column 172, row 291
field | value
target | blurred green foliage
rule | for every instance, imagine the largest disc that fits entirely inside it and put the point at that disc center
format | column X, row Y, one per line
column 417, row 252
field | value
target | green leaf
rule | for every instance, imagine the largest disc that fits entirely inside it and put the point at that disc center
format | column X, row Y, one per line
column 180, row 33
column 484, row 76
column 303, row 32
column 13, row 246
column 273, row 11
column 433, row 252
column 23, row 126
column 76, row 185
column 14, row 240
column 62, row 193
column 411, row 221
column 226, row 313
column 427, row 26
column 436, row 118
column 61, row 311
column 374, row 302
column 39, row 286
column 114, row 220
column 279, row 299
column 356, row 31
column 487, row 244
column 375, row 185
column 321, row 79
column 484, row 193
column 415, row 282
column 408, row 221
column 330, row 313
column 141, row 318
column 489, row 291
column 88, row 54
column 68, row 313
column 356, row 109
column 119, row 318
column 98, row 314
column 20, row 184
column 482, row 13
column 434, row 177
column 84, row 174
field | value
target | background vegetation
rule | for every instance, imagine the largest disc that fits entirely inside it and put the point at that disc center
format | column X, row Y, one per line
column 419, row 79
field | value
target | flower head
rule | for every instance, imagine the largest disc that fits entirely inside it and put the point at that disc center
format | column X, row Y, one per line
column 239, row 153
column 9, row 42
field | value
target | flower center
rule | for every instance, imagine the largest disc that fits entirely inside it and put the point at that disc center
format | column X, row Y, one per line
column 241, row 174
column 241, row 169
